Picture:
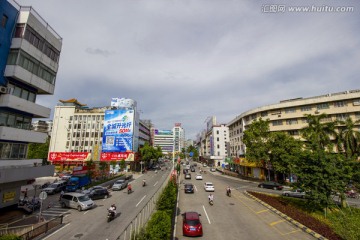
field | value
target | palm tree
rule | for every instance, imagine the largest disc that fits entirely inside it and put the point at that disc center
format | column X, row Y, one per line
column 349, row 137
column 319, row 132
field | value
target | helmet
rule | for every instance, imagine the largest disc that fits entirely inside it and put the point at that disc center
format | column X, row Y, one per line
column 113, row 205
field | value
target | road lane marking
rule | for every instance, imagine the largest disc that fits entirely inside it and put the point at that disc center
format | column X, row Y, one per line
column 195, row 188
column 86, row 212
column 156, row 183
column 206, row 214
column 56, row 231
column 266, row 210
column 276, row 222
column 140, row 201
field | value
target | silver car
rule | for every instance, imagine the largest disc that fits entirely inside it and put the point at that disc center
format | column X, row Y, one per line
column 294, row 193
column 77, row 201
column 119, row 184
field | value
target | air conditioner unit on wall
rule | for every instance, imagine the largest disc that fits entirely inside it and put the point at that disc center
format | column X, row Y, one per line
column 3, row 89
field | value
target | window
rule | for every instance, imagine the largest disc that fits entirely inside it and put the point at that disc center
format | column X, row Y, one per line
column 291, row 121
column 341, row 117
column 323, row 106
column 4, row 20
column 357, row 115
column 277, row 123
column 290, row 110
column 306, row 108
column 340, row 104
column 264, row 114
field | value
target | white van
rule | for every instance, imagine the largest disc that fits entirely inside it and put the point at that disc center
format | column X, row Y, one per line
column 75, row 200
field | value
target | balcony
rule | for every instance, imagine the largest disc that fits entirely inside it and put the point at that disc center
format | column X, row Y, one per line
column 21, row 135
column 26, row 77
column 13, row 102
column 14, row 173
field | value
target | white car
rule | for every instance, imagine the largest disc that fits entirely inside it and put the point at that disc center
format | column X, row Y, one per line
column 199, row 177
column 209, row 187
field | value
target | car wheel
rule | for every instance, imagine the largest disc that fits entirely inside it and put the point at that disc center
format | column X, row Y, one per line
column 106, row 196
column 274, row 188
column 63, row 205
column 79, row 208
column 262, row 186
column 286, row 194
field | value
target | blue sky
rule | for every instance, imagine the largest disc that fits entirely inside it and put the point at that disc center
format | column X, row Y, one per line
column 185, row 60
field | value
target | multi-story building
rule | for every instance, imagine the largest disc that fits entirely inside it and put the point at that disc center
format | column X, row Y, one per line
column 213, row 143
column 29, row 60
column 163, row 139
column 179, row 138
column 42, row 126
column 78, row 134
column 289, row 116
column 144, row 132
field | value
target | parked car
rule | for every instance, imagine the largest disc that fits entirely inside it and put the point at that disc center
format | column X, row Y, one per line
column 199, row 177
column 187, row 176
column 120, row 184
column 192, row 169
column 89, row 190
column 294, row 193
column 191, row 224
column 271, row 185
column 99, row 194
column 77, row 201
column 189, row 188
column 209, row 187
column 55, row 187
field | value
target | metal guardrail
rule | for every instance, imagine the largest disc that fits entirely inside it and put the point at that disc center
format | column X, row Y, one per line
column 33, row 231
column 143, row 216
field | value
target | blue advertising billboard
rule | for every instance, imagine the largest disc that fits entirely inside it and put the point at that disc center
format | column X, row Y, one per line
column 118, row 131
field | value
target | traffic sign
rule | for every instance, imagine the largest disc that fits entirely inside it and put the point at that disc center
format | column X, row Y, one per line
column 43, row 195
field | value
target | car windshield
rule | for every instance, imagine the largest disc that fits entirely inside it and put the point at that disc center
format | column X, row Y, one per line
column 188, row 186
column 120, row 181
column 84, row 198
column 192, row 222
column 53, row 186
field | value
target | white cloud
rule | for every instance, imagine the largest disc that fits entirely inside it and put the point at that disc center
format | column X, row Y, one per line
column 183, row 61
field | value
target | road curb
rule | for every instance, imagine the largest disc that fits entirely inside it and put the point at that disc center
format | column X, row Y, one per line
column 287, row 218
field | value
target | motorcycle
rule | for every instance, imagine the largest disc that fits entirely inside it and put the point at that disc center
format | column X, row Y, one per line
column 110, row 215
column 228, row 192
column 211, row 202
column 144, row 184
column 350, row 194
column 130, row 190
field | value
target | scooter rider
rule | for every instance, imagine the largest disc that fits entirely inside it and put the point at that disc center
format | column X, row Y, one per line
column 129, row 188
column 228, row 191
column 112, row 209
column 211, row 198
column 144, row 182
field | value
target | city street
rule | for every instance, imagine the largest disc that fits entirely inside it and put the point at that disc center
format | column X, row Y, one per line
column 232, row 217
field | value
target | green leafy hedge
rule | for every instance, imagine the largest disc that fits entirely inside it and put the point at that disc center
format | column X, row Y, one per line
column 160, row 224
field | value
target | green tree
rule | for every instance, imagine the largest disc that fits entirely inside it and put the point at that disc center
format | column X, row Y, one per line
column 320, row 170
column 194, row 150
column 103, row 165
column 256, row 139
column 319, row 131
column 284, row 150
column 39, row 150
column 122, row 164
column 349, row 137
column 148, row 153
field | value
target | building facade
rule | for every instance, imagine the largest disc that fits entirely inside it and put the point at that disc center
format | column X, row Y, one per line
column 163, row 139
column 179, row 138
column 29, row 60
column 289, row 116
column 78, row 135
column 42, row 126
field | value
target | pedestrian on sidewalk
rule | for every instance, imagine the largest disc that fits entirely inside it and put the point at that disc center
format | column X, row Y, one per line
column 26, row 194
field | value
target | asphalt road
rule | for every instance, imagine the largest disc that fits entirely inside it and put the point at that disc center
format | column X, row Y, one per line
column 235, row 217
column 92, row 224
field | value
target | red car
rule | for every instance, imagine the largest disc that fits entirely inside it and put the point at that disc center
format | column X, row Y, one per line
column 191, row 224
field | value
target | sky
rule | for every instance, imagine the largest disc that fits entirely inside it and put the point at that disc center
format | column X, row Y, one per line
column 186, row 60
